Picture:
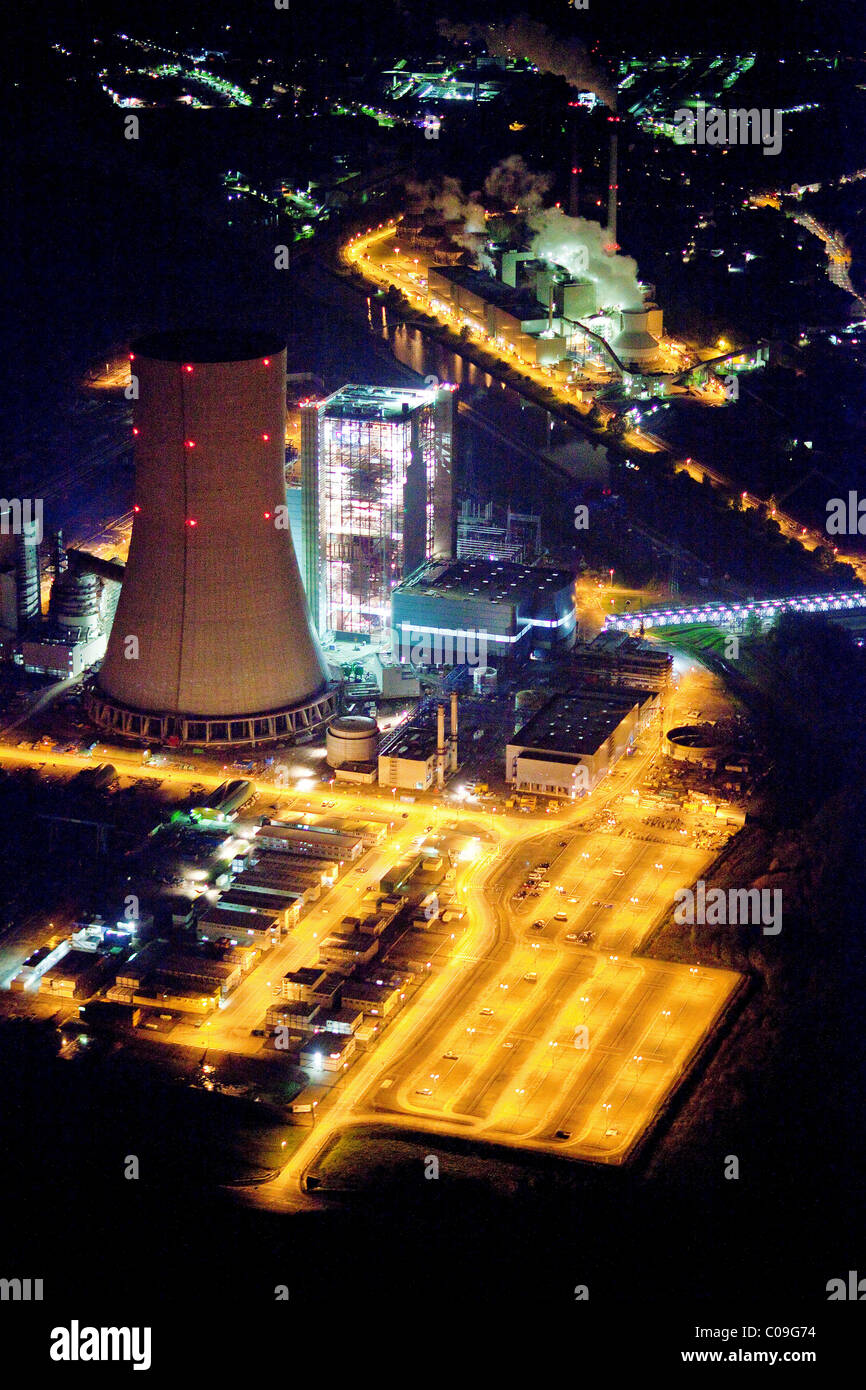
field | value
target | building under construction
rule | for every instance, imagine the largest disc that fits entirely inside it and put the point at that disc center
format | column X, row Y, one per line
column 377, row 498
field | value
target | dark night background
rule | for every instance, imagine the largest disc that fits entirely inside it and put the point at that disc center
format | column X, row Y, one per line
column 100, row 241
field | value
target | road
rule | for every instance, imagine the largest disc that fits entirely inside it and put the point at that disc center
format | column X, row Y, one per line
column 487, row 1052
column 493, row 1045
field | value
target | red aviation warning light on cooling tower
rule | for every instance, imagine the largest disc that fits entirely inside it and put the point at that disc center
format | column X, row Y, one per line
column 225, row 651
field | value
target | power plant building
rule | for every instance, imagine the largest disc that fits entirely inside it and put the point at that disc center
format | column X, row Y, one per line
column 212, row 642
column 474, row 612
column 377, row 482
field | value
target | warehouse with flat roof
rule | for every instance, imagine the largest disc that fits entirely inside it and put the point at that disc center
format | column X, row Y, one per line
column 573, row 741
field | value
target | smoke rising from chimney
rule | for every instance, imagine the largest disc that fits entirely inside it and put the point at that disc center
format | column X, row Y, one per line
column 568, row 241
column 523, row 37
column 514, row 184
column 449, row 200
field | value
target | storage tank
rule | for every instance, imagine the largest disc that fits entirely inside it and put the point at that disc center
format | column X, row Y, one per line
column 353, row 738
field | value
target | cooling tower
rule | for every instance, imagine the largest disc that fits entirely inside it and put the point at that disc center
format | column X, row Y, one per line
column 212, row 641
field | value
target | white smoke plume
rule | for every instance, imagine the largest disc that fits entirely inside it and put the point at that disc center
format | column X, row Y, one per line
column 448, row 198
column 526, row 38
column 514, row 183
column 579, row 247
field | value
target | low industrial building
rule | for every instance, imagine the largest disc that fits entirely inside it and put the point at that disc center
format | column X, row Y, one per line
column 77, row 975
column 313, row 985
column 298, row 1015
column 570, row 744
column 240, row 927
column 407, row 758
column 276, row 873
column 514, row 317
column 331, row 1052
column 616, row 658
column 285, row 906
column 380, row 1001
column 344, row 1020
column 475, row 612
column 159, row 961
column 395, row 680
column 309, row 841
column 299, row 984
column 347, row 951
column 396, row 879
column 368, row 831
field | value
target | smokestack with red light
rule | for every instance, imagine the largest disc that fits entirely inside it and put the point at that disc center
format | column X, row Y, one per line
column 574, row 177
column 612, row 185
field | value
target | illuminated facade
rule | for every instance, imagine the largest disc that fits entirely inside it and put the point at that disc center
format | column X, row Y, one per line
column 377, row 497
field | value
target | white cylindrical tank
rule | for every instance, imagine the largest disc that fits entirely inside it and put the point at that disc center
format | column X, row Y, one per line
column 353, row 738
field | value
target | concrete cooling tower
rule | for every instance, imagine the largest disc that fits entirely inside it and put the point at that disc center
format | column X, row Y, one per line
column 212, row 642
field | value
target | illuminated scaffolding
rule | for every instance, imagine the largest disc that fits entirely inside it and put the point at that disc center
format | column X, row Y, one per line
column 376, row 469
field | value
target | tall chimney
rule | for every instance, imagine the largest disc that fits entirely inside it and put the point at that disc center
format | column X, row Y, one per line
column 440, row 746
column 453, row 730
column 574, row 184
column 612, row 185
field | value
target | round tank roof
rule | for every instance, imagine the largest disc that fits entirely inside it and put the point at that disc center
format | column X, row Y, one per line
column 359, row 725
column 203, row 345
